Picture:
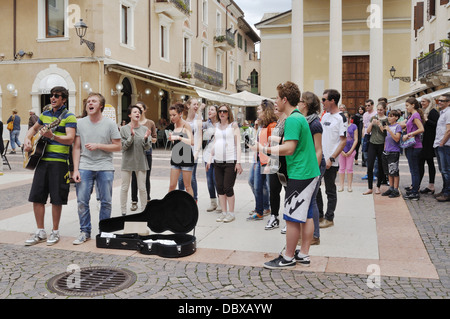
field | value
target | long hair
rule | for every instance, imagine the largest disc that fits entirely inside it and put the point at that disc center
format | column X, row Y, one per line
column 268, row 113
column 416, row 104
column 312, row 102
column 430, row 106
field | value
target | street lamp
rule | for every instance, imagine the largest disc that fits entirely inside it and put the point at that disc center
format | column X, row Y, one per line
column 119, row 88
column 401, row 78
column 81, row 28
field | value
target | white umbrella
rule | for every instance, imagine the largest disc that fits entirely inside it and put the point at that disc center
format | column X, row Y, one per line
column 250, row 99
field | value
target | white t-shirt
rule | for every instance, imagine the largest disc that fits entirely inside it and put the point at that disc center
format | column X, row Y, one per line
column 334, row 126
column 102, row 132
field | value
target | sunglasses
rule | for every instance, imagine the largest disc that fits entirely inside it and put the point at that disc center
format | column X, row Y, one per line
column 443, row 101
column 56, row 95
column 324, row 99
column 223, row 111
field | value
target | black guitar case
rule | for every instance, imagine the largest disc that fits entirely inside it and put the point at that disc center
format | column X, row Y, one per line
column 176, row 213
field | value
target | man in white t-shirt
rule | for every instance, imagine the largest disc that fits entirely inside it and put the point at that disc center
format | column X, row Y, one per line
column 442, row 146
column 96, row 139
column 334, row 139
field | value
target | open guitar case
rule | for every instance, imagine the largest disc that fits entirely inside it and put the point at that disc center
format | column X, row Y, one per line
column 176, row 213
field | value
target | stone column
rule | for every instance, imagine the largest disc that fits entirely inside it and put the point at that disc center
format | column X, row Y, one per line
column 335, row 68
column 375, row 24
column 297, row 44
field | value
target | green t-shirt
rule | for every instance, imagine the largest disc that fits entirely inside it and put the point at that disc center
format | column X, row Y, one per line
column 303, row 163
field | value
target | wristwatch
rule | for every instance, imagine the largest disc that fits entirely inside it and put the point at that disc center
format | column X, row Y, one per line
column 332, row 159
column 52, row 138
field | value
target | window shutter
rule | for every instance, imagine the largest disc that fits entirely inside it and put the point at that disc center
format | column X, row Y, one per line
column 414, row 69
column 444, row 2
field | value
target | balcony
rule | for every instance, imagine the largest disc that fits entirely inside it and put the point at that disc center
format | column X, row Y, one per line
column 199, row 73
column 434, row 68
column 224, row 40
column 177, row 9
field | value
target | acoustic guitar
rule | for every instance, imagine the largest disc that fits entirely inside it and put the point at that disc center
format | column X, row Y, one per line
column 38, row 144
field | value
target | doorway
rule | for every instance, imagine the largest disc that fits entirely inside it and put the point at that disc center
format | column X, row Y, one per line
column 355, row 81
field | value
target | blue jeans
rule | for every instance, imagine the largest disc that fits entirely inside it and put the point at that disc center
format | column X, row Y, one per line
column 259, row 184
column 14, row 138
column 211, row 181
column 104, row 181
column 413, row 156
column 443, row 157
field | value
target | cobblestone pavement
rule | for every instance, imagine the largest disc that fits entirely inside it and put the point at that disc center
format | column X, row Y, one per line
column 24, row 271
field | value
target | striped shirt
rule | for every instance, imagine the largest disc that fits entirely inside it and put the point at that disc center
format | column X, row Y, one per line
column 54, row 151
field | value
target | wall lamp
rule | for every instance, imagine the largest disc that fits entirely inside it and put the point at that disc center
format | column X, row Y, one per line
column 401, row 78
column 81, row 28
column 87, row 87
column 12, row 89
column 119, row 88
column 2, row 57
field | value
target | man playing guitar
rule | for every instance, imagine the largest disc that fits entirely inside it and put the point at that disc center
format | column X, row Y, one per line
column 52, row 173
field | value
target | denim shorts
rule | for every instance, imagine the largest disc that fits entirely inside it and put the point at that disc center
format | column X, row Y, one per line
column 183, row 168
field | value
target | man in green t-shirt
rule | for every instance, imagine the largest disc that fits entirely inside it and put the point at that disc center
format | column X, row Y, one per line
column 303, row 172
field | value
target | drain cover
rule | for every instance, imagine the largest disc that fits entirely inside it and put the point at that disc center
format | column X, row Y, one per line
column 91, row 281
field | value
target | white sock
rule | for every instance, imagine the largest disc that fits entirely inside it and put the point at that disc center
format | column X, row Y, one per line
column 287, row 258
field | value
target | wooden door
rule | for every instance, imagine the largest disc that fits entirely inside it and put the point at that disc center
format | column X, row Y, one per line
column 355, row 81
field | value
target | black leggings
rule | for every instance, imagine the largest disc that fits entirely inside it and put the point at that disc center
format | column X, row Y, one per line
column 375, row 151
column 431, row 169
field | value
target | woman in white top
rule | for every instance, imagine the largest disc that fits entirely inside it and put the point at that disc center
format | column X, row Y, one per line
column 209, row 128
column 226, row 152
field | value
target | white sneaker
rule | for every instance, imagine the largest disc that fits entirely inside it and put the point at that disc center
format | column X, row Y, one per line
column 38, row 237
column 82, row 237
column 134, row 206
column 54, row 238
column 283, row 230
column 221, row 218
column 272, row 223
column 229, row 218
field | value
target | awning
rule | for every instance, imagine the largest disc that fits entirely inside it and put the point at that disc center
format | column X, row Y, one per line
column 249, row 98
column 171, row 83
column 398, row 102
column 219, row 97
column 435, row 94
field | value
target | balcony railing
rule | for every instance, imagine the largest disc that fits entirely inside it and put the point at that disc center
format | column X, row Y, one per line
column 433, row 62
column 199, row 72
column 181, row 5
column 224, row 39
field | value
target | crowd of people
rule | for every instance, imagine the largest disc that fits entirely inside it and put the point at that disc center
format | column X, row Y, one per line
column 296, row 147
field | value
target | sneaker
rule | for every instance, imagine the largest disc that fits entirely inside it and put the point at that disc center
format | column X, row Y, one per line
column 134, row 206
column 54, row 238
column 38, row 237
column 388, row 192
column 283, row 230
column 83, row 237
column 394, row 194
column 304, row 261
column 412, row 196
column 221, row 218
column 266, row 212
column 252, row 212
column 272, row 223
column 256, row 216
column 315, row 241
column 280, row 263
column 364, row 177
column 326, row 223
column 229, row 218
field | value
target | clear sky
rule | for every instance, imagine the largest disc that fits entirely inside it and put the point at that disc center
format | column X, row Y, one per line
column 255, row 9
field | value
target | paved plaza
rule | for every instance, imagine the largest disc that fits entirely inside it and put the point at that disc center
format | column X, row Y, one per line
column 379, row 247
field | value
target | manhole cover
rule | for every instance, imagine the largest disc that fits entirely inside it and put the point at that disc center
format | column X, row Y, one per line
column 91, row 281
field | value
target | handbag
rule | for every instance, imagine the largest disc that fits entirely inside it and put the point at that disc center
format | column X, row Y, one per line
column 410, row 142
column 10, row 125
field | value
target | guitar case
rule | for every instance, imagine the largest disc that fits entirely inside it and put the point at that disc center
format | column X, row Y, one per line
column 175, row 215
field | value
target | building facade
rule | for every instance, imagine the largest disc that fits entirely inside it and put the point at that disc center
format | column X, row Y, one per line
column 348, row 45
column 155, row 51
